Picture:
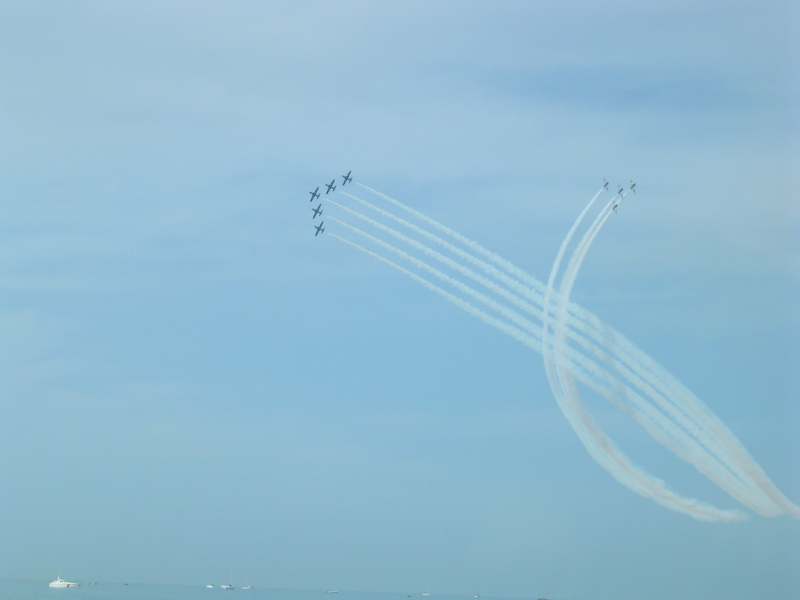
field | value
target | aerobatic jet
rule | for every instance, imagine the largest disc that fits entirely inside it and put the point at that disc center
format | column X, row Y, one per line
column 605, row 184
column 346, row 178
column 320, row 229
column 314, row 194
column 633, row 186
column 621, row 194
column 317, row 211
column 331, row 187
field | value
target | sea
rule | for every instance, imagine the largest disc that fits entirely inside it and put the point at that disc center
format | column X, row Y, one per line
column 38, row 590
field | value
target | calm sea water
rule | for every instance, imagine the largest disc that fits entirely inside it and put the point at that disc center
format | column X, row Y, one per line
column 38, row 590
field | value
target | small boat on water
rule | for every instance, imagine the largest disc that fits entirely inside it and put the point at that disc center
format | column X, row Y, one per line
column 62, row 584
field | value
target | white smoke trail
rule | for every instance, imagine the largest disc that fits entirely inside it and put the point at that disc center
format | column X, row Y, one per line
column 526, row 285
column 640, row 482
column 546, row 352
column 582, row 326
column 703, row 422
column 507, row 265
column 601, row 447
column 697, row 451
column 663, row 432
column 596, row 442
column 580, row 318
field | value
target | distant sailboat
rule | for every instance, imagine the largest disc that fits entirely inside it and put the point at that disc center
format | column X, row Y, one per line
column 62, row 584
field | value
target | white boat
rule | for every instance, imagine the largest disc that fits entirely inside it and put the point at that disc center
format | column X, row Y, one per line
column 226, row 586
column 61, row 584
column 209, row 586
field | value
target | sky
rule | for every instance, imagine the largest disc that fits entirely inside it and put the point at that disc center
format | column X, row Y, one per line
column 194, row 386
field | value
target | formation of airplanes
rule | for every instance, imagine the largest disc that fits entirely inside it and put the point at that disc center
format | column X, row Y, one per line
column 620, row 192
column 346, row 178
column 330, row 187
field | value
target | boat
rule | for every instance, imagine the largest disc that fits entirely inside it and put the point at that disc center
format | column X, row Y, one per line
column 62, row 584
column 209, row 586
column 227, row 586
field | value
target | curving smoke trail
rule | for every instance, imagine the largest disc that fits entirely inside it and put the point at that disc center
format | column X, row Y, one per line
column 661, row 430
column 549, row 359
column 598, row 444
column 674, row 439
column 705, row 425
column 588, row 372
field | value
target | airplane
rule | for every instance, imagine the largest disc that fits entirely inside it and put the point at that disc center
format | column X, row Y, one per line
column 621, row 194
column 314, row 194
column 633, row 186
column 320, row 228
column 605, row 184
column 317, row 211
column 331, row 187
column 346, row 178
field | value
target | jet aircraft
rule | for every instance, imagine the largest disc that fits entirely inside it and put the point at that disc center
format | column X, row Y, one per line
column 605, row 184
column 633, row 186
column 621, row 194
column 320, row 228
column 317, row 211
column 346, row 178
column 331, row 187
column 314, row 194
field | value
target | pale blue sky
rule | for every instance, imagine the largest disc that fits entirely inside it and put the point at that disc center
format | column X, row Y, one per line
column 193, row 384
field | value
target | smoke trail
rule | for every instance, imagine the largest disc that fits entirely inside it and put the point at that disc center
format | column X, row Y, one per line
column 569, row 401
column 508, row 266
column 765, row 502
column 597, row 332
column 546, row 353
column 586, row 324
column 535, row 291
column 738, row 460
column 598, row 443
column 600, row 448
column 652, row 488
column 643, row 413
column 664, row 425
